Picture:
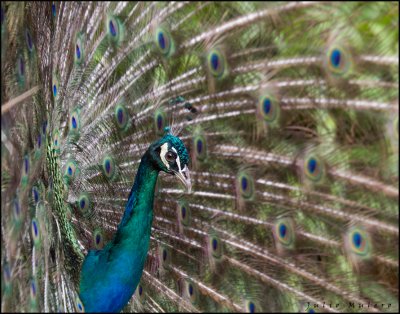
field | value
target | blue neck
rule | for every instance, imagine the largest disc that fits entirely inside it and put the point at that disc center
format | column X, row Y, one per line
column 110, row 276
column 141, row 198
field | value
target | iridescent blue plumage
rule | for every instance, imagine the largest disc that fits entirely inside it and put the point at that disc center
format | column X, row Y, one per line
column 110, row 276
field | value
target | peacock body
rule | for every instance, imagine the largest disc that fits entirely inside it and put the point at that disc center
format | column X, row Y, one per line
column 285, row 113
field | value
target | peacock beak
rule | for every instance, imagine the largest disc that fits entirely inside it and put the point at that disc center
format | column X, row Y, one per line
column 184, row 176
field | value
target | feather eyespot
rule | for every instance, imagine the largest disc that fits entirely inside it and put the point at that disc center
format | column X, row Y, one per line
column 359, row 242
column 164, row 256
column 79, row 49
column 78, row 52
column 25, row 170
column 161, row 40
column 216, row 63
column 84, row 203
column 267, row 105
column 55, row 86
column 7, row 274
column 121, row 117
column 21, row 71
column 35, row 194
column 39, row 146
column 98, row 239
column 191, row 291
column 25, row 166
column 71, row 169
column 245, row 185
column 314, row 168
column 159, row 121
column 44, row 127
column 53, row 9
column 114, row 29
column 183, row 212
column 338, row 60
column 250, row 307
column 74, row 122
column 28, row 39
column 79, row 305
column 140, row 293
column 21, row 66
column 17, row 208
column 109, row 168
column 215, row 246
column 199, row 147
column 39, row 140
column 35, row 230
column 284, row 232
column 268, row 108
column 56, row 142
column 164, row 42
column 335, row 57
column 33, row 289
column 74, row 125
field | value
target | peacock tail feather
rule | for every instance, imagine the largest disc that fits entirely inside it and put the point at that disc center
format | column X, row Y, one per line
column 289, row 111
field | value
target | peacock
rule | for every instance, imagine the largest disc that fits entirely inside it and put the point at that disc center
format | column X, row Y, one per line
column 199, row 157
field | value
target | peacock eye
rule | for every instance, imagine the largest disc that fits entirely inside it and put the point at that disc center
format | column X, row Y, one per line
column 170, row 156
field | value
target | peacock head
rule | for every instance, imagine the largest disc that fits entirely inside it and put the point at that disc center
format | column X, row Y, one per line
column 171, row 156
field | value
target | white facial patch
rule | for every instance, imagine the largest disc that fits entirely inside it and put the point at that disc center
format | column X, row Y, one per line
column 164, row 150
column 178, row 161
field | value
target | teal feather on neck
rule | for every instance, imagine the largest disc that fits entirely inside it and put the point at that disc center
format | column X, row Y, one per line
column 110, row 276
